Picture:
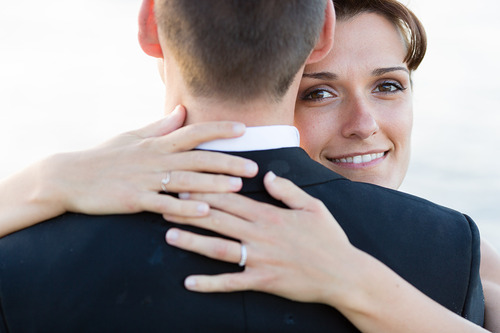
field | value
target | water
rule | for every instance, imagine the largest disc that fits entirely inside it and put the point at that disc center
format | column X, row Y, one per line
column 72, row 75
column 456, row 144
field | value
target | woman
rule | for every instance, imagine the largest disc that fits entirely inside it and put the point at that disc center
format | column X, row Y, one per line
column 354, row 113
column 368, row 141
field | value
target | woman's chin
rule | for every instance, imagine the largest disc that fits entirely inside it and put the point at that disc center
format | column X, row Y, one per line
column 364, row 175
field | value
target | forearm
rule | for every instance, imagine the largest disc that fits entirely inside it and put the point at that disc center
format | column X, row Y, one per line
column 326, row 268
column 30, row 196
column 492, row 305
column 490, row 278
column 122, row 176
column 381, row 301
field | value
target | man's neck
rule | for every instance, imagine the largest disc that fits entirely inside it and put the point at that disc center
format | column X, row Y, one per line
column 253, row 113
column 257, row 112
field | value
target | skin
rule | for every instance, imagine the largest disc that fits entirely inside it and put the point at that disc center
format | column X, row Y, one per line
column 358, row 101
column 123, row 175
column 364, row 290
column 343, row 112
column 371, row 304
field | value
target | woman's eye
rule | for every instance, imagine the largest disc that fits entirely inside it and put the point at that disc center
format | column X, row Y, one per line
column 318, row 94
column 389, row 87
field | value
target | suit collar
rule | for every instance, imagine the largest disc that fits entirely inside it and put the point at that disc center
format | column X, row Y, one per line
column 291, row 163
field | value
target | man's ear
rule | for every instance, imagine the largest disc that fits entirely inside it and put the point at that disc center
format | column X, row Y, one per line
column 148, row 30
column 325, row 41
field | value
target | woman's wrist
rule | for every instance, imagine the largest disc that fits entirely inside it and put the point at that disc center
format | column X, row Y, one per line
column 365, row 287
column 356, row 291
column 49, row 188
column 376, row 299
column 31, row 196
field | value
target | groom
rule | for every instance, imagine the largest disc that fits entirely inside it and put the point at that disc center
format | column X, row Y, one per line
column 228, row 60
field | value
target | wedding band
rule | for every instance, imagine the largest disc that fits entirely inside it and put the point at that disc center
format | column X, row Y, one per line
column 165, row 181
column 243, row 259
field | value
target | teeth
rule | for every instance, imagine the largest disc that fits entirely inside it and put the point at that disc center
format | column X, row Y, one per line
column 367, row 158
column 359, row 158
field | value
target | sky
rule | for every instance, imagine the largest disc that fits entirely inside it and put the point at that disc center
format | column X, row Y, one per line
column 72, row 75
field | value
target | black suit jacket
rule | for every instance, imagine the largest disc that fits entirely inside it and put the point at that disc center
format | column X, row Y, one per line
column 79, row 273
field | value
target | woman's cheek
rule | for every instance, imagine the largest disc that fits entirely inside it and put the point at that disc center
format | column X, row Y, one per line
column 313, row 132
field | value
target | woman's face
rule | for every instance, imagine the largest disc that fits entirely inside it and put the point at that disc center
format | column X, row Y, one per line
column 354, row 108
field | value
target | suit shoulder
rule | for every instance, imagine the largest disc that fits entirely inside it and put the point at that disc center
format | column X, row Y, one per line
column 380, row 202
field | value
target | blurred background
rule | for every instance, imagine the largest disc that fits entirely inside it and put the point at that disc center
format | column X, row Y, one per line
column 72, row 75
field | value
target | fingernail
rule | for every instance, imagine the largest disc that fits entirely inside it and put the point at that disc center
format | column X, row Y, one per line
column 172, row 235
column 235, row 182
column 176, row 109
column 172, row 113
column 184, row 195
column 190, row 282
column 238, row 128
column 251, row 168
column 271, row 176
column 202, row 208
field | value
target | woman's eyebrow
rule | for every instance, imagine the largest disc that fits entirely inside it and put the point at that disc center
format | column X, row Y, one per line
column 332, row 76
column 382, row 71
column 321, row 75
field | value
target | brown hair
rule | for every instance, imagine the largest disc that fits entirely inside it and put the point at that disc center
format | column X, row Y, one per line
column 403, row 18
column 240, row 49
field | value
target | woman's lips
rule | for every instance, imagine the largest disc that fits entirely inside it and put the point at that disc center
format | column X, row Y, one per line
column 358, row 160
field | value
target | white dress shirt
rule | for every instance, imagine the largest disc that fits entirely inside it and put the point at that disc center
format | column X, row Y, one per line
column 257, row 138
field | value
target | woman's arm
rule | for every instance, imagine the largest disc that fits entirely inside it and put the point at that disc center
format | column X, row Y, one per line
column 490, row 277
column 124, row 175
column 325, row 268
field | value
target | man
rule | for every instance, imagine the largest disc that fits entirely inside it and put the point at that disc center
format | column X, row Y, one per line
column 227, row 60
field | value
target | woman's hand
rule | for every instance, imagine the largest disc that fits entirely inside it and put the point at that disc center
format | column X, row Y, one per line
column 124, row 175
column 303, row 254
column 295, row 253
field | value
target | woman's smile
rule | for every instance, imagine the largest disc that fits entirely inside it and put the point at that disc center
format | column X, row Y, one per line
column 358, row 161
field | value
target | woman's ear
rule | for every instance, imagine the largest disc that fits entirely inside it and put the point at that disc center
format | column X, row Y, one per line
column 148, row 30
column 325, row 41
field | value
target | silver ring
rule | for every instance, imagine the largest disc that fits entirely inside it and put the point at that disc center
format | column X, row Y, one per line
column 165, row 181
column 243, row 259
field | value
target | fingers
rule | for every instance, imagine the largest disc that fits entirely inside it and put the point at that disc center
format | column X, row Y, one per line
column 217, row 221
column 215, row 248
column 211, row 247
column 219, row 283
column 186, row 181
column 165, row 204
column 279, row 188
column 290, row 194
column 214, row 162
column 188, row 137
column 238, row 205
column 164, row 126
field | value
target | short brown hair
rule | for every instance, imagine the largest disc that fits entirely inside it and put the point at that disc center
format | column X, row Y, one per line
column 240, row 49
column 405, row 20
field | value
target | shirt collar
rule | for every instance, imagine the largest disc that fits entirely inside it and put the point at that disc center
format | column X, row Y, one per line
column 257, row 138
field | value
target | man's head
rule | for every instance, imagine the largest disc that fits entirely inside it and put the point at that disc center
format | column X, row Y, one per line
column 236, row 49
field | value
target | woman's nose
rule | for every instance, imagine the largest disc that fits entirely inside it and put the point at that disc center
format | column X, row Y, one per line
column 359, row 120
